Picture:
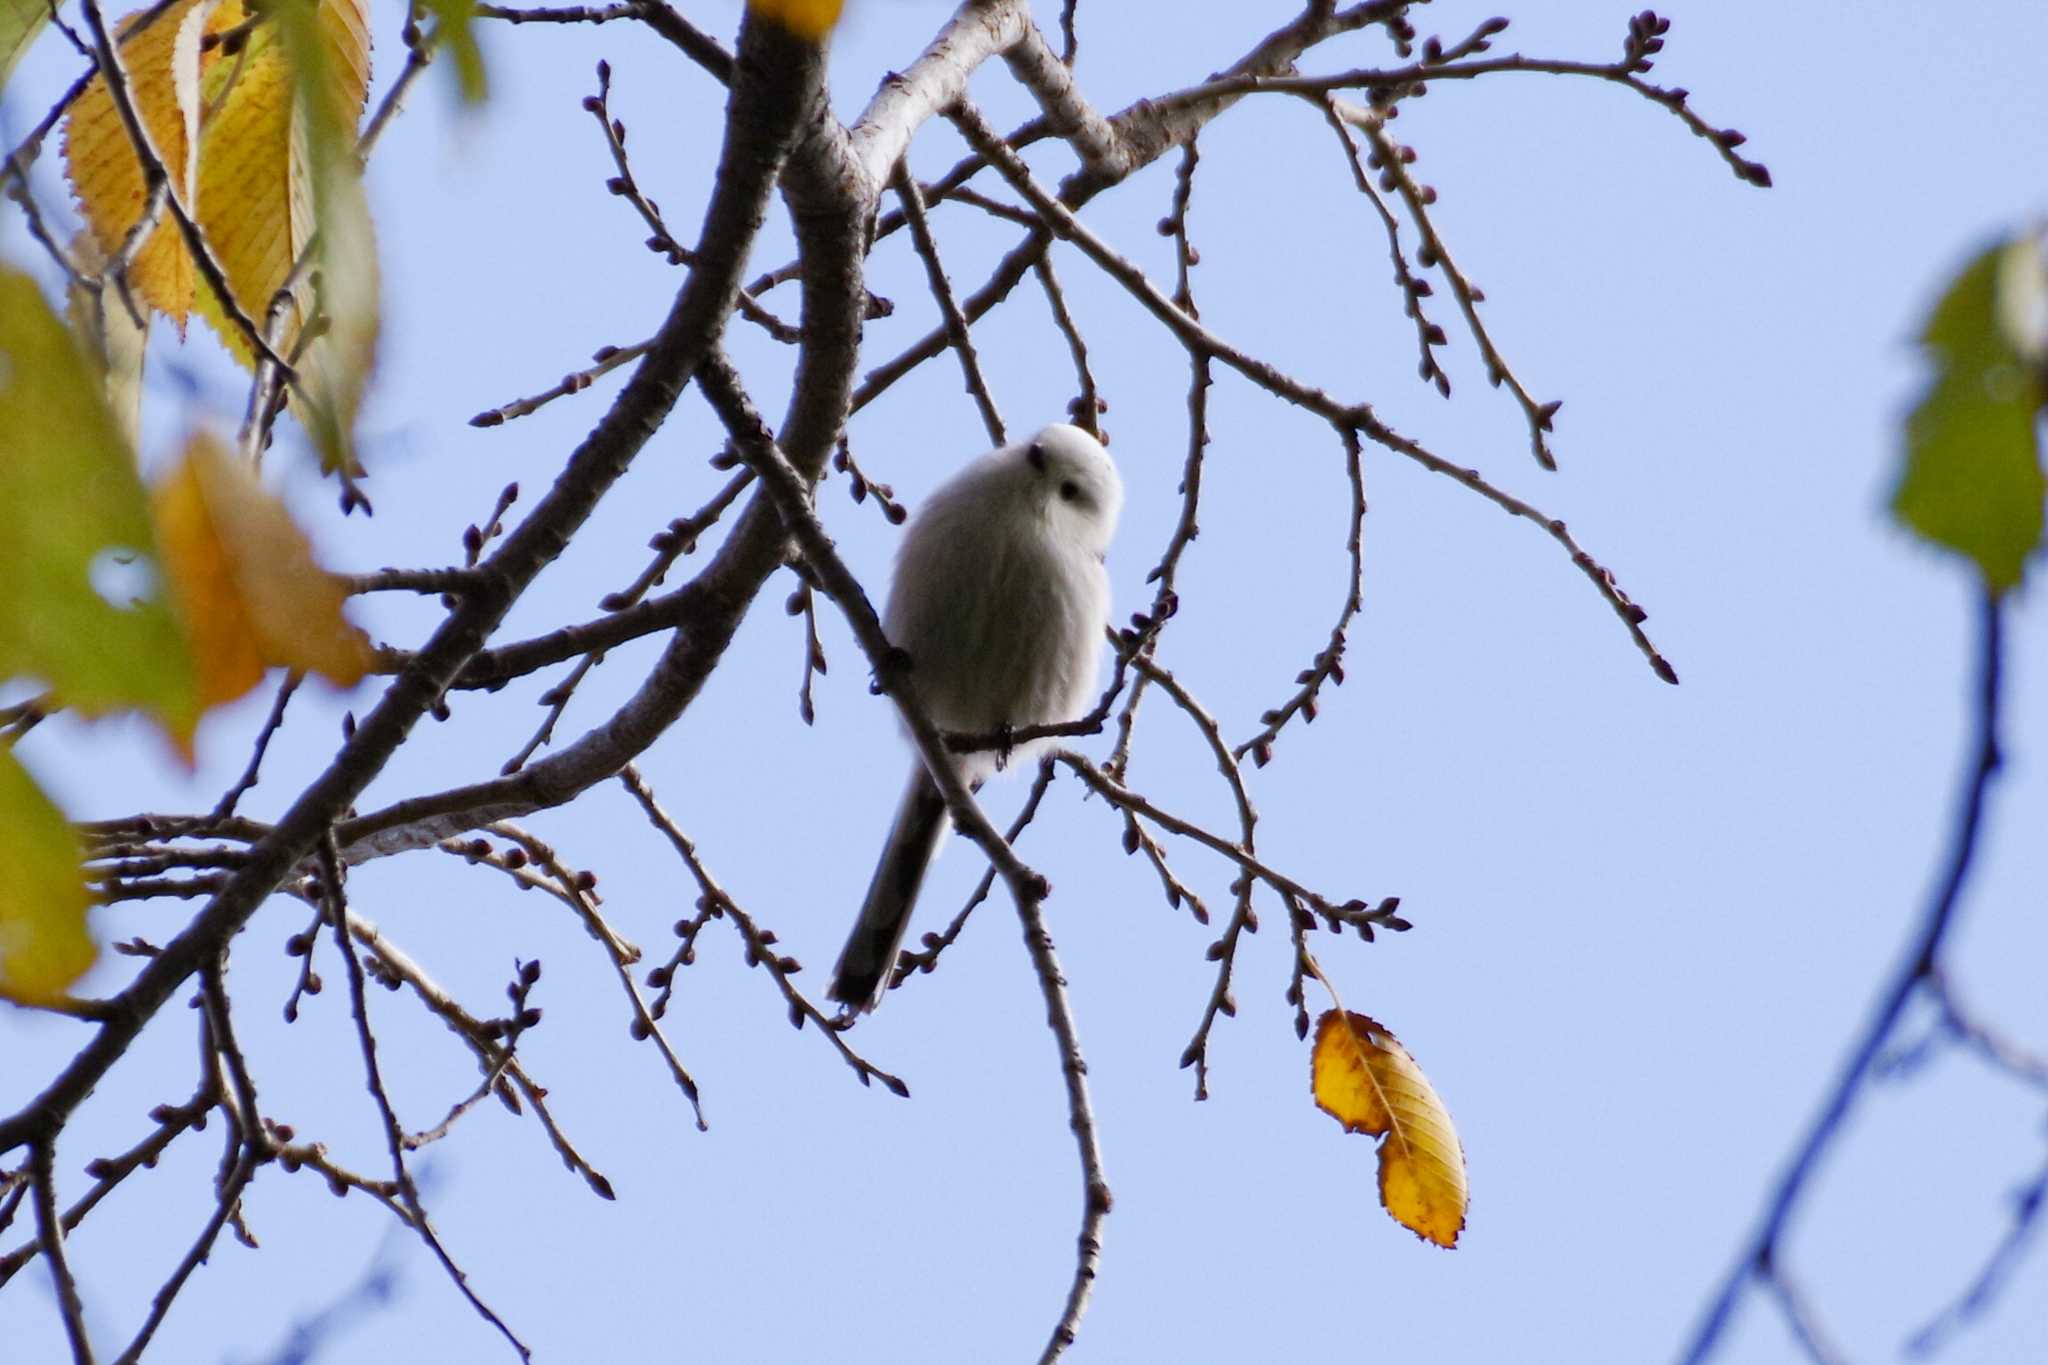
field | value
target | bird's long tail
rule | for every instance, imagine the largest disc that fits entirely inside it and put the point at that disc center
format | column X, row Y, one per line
column 870, row 953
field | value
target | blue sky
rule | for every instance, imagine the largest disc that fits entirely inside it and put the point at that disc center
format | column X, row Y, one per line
column 1647, row 919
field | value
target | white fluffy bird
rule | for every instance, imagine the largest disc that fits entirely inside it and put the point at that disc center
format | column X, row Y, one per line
column 1000, row 600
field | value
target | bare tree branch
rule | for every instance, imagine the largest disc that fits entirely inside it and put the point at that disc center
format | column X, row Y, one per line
column 1762, row 1247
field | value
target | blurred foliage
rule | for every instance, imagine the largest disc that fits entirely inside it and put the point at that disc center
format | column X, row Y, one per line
column 1972, row 481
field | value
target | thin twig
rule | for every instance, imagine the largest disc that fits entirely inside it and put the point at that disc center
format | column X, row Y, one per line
column 42, row 1168
column 760, row 943
column 556, row 700
column 663, row 242
column 2009, row 1057
column 909, row 963
column 814, row 653
column 1803, row 1320
column 1087, row 406
column 1095, row 1196
column 677, row 539
column 1623, row 73
column 663, row 18
column 1124, row 799
column 1165, row 597
column 606, row 359
column 226, row 1205
column 491, row 1056
column 394, row 1133
column 1243, row 918
column 2028, row 1203
column 419, row 52
column 423, row 581
column 1394, row 160
column 861, row 485
column 233, row 795
column 577, row 892
column 1359, row 416
column 912, row 199
column 1414, row 289
column 171, row 1121
column 153, row 888
column 1328, row 665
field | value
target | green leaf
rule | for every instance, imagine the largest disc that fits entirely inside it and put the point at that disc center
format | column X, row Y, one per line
column 457, row 30
column 72, row 511
column 43, row 943
column 1972, row 480
column 20, row 22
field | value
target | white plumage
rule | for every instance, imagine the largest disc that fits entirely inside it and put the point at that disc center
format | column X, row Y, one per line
column 1000, row 599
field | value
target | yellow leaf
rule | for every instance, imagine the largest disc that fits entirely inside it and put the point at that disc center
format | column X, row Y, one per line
column 243, row 198
column 163, row 62
column 223, row 122
column 1362, row 1077
column 84, row 611
column 245, row 582
column 810, row 20
column 277, row 165
column 255, row 190
column 263, row 167
column 43, row 943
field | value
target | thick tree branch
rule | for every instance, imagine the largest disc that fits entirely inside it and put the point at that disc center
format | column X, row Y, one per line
column 780, row 87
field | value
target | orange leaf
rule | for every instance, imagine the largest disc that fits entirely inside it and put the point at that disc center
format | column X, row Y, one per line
column 245, row 582
column 1361, row 1076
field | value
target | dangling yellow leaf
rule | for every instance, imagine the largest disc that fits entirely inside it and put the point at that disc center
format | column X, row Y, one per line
column 810, row 20
column 43, row 943
column 1362, row 1077
column 163, row 61
column 245, row 582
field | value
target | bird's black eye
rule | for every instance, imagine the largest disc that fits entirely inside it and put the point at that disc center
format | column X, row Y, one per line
column 1035, row 453
column 1070, row 491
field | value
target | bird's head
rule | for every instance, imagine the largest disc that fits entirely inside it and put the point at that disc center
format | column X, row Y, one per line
column 1077, row 481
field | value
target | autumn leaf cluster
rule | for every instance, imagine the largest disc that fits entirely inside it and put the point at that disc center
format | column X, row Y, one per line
column 216, row 175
